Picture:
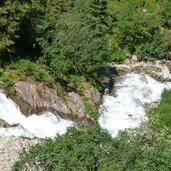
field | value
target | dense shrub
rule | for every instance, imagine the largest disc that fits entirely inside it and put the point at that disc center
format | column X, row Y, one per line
column 140, row 27
column 5, row 78
column 28, row 68
column 78, row 44
column 91, row 148
column 157, row 48
column 162, row 112
column 11, row 13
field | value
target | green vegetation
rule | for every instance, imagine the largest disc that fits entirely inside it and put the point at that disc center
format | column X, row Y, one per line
column 90, row 109
column 25, row 68
column 140, row 27
column 92, row 148
column 82, row 48
column 9, row 83
column 11, row 13
column 162, row 112
column 4, row 78
column 65, row 43
column 68, row 39
column 79, row 38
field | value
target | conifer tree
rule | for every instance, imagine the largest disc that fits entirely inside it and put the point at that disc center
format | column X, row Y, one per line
column 79, row 44
column 10, row 15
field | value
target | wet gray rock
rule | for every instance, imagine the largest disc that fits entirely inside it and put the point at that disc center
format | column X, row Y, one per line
column 35, row 98
column 107, row 78
column 134, row 58
column 5, row 124
column 75, row 104
column 38, row 98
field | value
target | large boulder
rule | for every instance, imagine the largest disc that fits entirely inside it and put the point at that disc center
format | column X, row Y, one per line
column 35, row 98
column 75, row 104
column 169, row 66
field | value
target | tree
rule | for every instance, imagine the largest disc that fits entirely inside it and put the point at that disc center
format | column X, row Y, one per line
column 38, row 24
column 78, row 45
column 10, row 16
column 139, row 27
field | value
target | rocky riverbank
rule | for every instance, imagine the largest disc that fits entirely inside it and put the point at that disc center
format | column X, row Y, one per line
column 10, row 147
column 34, row 97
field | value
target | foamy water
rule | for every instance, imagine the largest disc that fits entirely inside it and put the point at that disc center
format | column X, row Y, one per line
column 126, row 109
column 41, row 126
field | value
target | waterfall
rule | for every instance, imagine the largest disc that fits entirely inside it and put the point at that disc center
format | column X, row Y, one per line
column 41, row 126
column 126, row 108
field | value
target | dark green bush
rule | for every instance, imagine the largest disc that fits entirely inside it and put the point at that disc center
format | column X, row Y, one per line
column 28, row 68
column 90, row 109
column 163, row 112
column 140, row 27
column 79, row 44
column 91, row 148
column 4, row 78
column 157, row 48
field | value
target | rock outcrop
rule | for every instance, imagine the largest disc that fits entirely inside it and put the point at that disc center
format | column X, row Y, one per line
column 75, row 104
column 91, row 93
column 5, row 124
column 169, row 67
column 35, row 97
column 159, row 70
column 2, row 86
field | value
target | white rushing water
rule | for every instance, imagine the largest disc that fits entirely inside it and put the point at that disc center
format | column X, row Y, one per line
column 127, row 109
column 41, row 126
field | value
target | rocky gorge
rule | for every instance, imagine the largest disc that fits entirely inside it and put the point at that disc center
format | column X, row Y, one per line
column 36, row 97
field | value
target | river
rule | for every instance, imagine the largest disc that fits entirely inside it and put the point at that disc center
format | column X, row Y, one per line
column 125, row 108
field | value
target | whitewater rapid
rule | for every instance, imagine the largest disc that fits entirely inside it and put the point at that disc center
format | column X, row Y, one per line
column 41, row 126
column 126, row 108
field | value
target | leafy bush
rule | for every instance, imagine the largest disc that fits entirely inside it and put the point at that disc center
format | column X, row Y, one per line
column 78, row 82
column 157, row 48
column 90, row 109
column 76, row 150
column 118, row 55
column 28, row 68
column 162, row 112
column 91, row 148
column 11, row 14
column 78, row 45
column 140, row 27
column 166, row 8
column 9, row 83
column 4, row 78
column 22, row 69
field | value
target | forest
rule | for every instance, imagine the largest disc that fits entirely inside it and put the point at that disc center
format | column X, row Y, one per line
column 67, row 38
column 60, row 42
